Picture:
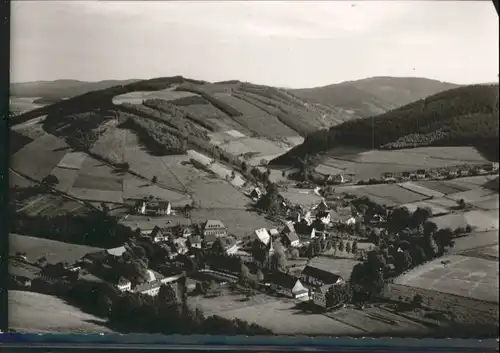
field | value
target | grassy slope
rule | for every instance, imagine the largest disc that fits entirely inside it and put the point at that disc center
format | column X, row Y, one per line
column 35, row 312
column 54, row 251
column 462, row 116
column 375, row 95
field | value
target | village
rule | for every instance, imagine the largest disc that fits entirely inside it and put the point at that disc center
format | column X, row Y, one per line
column 339, row 252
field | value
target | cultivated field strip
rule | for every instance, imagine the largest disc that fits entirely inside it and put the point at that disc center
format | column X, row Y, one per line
column 420, row 189
column 463, row 276
column 72, row 160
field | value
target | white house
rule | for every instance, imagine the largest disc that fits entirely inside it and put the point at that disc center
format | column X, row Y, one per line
column 157, row 235
column 123, row 284
column 325, row 217
column 350, row 221
column 263, row 236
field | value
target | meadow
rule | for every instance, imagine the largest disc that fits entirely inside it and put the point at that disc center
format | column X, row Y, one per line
column 31, row 312
column 54, row 251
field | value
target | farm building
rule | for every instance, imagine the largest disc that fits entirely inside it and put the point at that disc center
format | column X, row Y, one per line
column 316, row 277
column 335, row 179
column 153, row 288
column 288, row 234
column 210, row 239
column 288, row 285
column 153, row 207
column 319, row 295
column 214, row 227
column 116, row 251
column 324, row 217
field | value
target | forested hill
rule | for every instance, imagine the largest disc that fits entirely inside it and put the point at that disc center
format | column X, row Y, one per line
column 461, row 116
column 375, row 95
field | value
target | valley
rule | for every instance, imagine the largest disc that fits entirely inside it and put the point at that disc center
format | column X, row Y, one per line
column 262, row 186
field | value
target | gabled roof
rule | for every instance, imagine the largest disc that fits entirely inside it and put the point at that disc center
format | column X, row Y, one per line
column 263, row 235
column 157, row 231
column 289, row 228
column 213, row 223
column 274, row 231
column 116, row 251
column 147, row 286
column 322, row 275
column 322, row 204
column 284, row 280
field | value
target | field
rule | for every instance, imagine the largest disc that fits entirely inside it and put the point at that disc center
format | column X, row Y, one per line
column 182, row 168
column 301, row 197
column 475, row 240
column 443, row 187
column 97, row 195
column 478, row 220
column 342, row 267
column 203, row 159
column 22, row 104
column 474, row 195
column 256, row 119
column 435, row 209
column 40, row 313
column 387, row 194
column 138, row 96
column 48, row 205
column 54, row 251
column 238, row 222
column 489, row 252
column 373, row 163
column 148, row 223
column 280, row 316
column 223, row 172
column 135, row 188
column 215, row 193
column 37, row 159
column 463, row 276
column 66, row 177
column 375, row 320
column 72, row 160
column 15, row 180
column 420, row 189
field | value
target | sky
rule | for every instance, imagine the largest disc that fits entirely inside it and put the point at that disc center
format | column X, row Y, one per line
column 285, row 43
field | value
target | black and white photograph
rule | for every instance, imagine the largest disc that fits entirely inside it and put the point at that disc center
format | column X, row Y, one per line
column 254, row 168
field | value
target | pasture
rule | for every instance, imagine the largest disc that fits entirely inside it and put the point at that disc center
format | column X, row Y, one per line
column 283, row 317
column 138, row 96
column 443, row 187
column 38, row 158
column 474, row 195
column 215, row 193
column 48, row 205
column 104, row 183
column 16, row 180
column 478, row 220
column 182, row 169
column 148, row 223
column 54, row 251
column 150, row 166
column 373, row 163
column 238, row 222
column 475, row 240
column 66, row 177
column 386, row 194
column 135, row 188
column 110, row 196
column 256, row 119
column 435, row 209
column 305, row 198
column 463, row 276
column 487, row 203
column 420, row 189
column 375, row 320
column 23, row 104
column 489, row 252
column 31, row 312
column 72, row 160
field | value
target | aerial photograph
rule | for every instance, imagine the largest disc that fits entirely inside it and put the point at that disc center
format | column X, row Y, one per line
column 254, row 168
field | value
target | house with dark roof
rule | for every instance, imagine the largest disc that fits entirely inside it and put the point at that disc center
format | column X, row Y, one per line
column 316, row 277
column 289, row 236
column 321, row 207
column 319, row 295
column 287, row 285
column 214, row 227
column 256, row 194
column 157, row 235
